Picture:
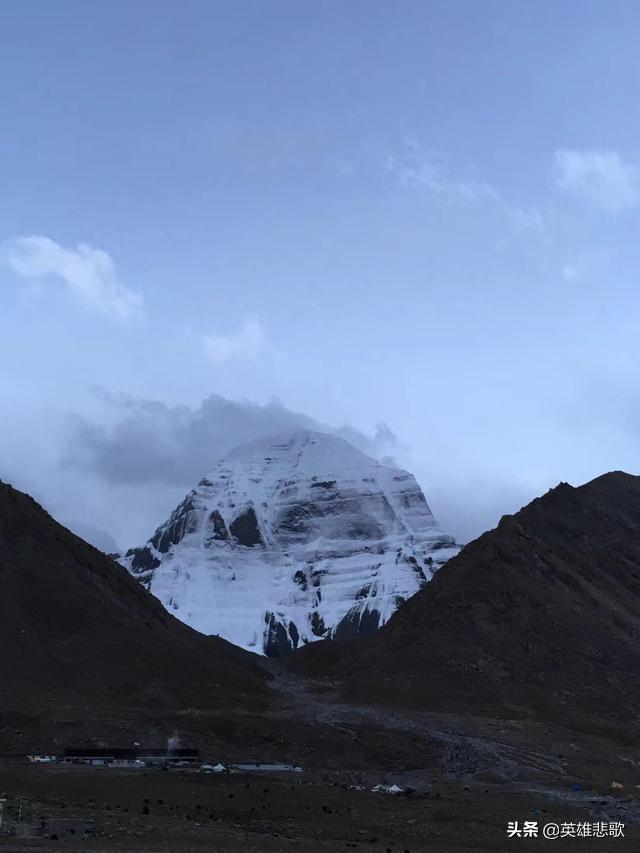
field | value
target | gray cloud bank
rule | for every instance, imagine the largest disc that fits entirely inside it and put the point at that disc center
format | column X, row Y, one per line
column 148, row 442
column 117, row 473
column 120, row 471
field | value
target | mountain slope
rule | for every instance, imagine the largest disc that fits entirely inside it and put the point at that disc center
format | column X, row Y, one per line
column 290, row 540
column 540, row 615
column 77, row 632
column 100, row 539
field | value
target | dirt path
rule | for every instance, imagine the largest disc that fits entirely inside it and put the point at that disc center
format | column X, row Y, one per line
column 523, row 757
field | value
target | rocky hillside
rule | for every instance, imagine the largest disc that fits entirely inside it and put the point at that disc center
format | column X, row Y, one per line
column 80, row 637
column 539, row 616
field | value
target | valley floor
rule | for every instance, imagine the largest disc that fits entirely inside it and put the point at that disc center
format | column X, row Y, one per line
column 464, row 779
column 159, row 811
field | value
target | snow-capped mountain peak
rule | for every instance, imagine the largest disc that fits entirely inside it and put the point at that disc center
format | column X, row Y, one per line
column 291, row 539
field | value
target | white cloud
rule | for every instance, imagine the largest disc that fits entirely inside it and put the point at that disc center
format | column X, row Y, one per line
column 420, row 169
column 249, row 342
column 89, row 274
column 570, row 272
column 600, row 177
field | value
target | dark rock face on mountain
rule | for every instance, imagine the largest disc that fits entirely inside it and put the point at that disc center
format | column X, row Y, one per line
column 540, row 615
column 78, row 632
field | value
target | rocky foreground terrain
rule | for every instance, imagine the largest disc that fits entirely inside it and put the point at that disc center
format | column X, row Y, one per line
column 191, row 813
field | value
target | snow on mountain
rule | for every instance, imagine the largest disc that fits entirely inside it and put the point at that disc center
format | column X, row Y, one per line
column 292, row 539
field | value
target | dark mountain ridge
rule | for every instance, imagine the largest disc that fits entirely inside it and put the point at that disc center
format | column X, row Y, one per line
column 78, row 633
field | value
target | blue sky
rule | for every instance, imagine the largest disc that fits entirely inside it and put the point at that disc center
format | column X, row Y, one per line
column 418, row 213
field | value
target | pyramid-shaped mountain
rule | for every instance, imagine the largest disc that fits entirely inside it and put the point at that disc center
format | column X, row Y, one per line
column 290, row 540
